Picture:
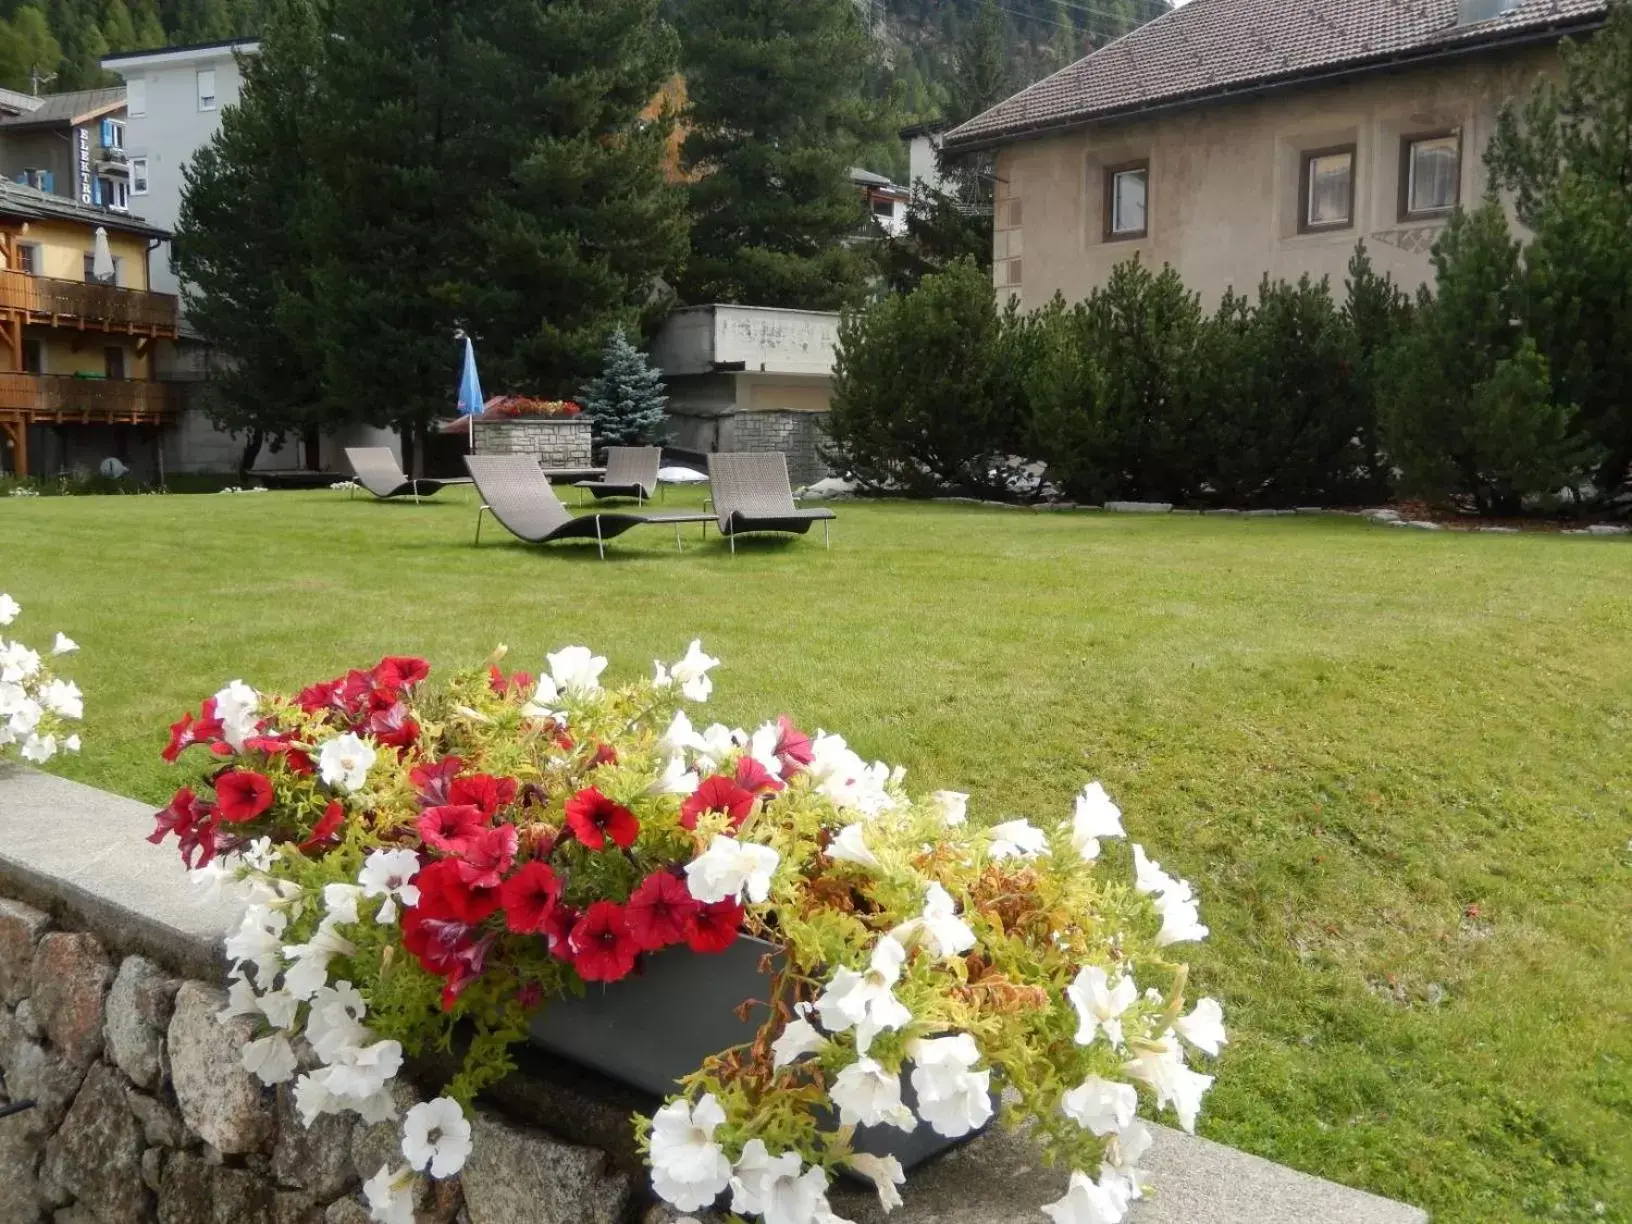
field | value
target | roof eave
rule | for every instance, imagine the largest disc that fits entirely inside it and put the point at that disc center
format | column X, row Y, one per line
column 1552, row 32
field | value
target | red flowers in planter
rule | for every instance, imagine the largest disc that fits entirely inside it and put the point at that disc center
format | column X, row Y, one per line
column 326, row 830
column 603, row 947
column 241, row 795
column 528, row 896
column 714, row 928
column 487, row 856
column 718, row 793
column 659, row 911
column 595, row 820
column 193, row 822
column 206, row 729
column 451, row 827
column 484, row 792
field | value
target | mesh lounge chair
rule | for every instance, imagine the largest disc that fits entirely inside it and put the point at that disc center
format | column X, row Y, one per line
column 752, row 493
column 517, row 493
column 631, row 471
column 377, row 470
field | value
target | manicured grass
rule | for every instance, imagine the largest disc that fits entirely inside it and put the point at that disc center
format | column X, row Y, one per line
column 1394, row 764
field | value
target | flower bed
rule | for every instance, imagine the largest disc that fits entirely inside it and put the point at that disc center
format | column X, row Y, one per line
column 36, row 705
column 430, row 855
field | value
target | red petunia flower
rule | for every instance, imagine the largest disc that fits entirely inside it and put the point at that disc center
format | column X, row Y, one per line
column 658, row 911
column 392, row 725
column 193, row 822
column 316, row 698
column 242, row 795
column 443, row 893
column 488, row 856
column 753, row 776
column 714, row 928
column 205, row 729
column 793, row 749
column 603, row 950
column 605, row 754
column 399, row 671
column 483, row 791
column 595, row 819
column 467, row 963
column 718, row 793
column 528, row 897
column 273, row 746
column 559, row 925
column 435, row 780
column 505, row 686
column 451, row 827
column 327, row 828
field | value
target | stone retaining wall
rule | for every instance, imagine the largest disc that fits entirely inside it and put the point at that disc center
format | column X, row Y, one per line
column 796, row 434
column 557, row 443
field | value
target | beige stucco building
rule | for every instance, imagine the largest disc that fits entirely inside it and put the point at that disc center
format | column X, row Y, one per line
column 1234, row 138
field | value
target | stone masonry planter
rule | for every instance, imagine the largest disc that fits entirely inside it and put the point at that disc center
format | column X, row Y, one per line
column 557, row 443
column 650, row 1030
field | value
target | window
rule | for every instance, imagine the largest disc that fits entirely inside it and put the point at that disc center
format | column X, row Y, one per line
column 1327, row 189
column 1430, row 175
column 33, row 355
column 1126, row 193
column 136, row 97
column 28, row 259
column 138, row 176
column 206, row 89
column 113, row 134
column 90, row 268
column 114, row 193
column 113, row 362
column 884, row 208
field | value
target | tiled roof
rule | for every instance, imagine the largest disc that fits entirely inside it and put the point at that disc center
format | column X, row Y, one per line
column 16, row 200
column 67, row 108
column 1209, row 48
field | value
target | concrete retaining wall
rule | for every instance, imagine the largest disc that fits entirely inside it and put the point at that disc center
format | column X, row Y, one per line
column 563, row 444
column 109, row 986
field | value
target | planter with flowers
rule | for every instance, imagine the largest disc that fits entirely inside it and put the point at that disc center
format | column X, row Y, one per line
column 38, row 708
column 470, row 852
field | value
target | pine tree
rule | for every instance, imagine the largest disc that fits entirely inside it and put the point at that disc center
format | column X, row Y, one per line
column 117, row 27
column 149, row 29
column 26, row 48
column 777, row 120
column 240, row 246
column 626, row 403
column 982, row 73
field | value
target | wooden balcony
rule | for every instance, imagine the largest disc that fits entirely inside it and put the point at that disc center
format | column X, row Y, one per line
column 66, row 303
column 58, row 399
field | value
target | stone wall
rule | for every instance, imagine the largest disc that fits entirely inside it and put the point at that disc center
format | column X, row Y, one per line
column 144, row 1115
column 795, row 434
column 557, row 444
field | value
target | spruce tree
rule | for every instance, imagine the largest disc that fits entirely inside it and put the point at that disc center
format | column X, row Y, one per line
column 982, row 76
column 626, row 403
column 26, row 48
column 240, row 247
column 777, row 119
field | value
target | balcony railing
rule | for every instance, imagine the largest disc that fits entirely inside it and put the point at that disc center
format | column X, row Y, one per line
column 57, row 397
column 64, row 301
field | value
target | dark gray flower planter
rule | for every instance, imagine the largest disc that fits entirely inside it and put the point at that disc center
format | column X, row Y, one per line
column 651, row 1029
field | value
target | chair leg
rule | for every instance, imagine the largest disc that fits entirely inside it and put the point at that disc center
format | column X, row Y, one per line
column 827, row 537
column 600, row 544
column 678, row 546
column 733, row 538
column 480, row 514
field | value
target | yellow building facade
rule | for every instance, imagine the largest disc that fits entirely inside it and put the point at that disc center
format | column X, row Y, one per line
column 76, row 349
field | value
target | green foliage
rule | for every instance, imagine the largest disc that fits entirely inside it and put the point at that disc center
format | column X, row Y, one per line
column 1465, row 405
column 626, row 403
column 1378, row 313
column 941, row 231
column 983, row 76
column 242, row 248
column 926, row 388
column 778, row 116
column 26, row 47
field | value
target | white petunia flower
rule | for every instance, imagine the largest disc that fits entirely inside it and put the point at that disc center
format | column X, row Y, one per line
column 952, row 805
column 868, row 1095
column 1204, row 1027
column 63, row 697
column 436, row 1137
column 259, row 855
column 1181, row 920
column 333, row 1023
column 309, row 968
column 952, row 1097
column 259, row 941
column 676, row 779
column 576, row 671
column 390, row 1196
column 17, row 663
column 359, row 1074
column 689, row 1170
column 1017, row 839
column 1100, row 1003
column 39, row 749
column 1101, row 1106
column 945, row 934
column 850, row 846
column 866, row 1001
column 716, row 743
column 774, row 1187
column 10, row 609
column 388, row 874
column 25, row 716
column 543, row 700
column 1122, row 1156
column 798, row 1039
column 1148, row 875
column 1088, row 1203
column 728, row 869
column 1174, row 1083
column 691, row 673
column 71, row 744
column 64, row 645
column 680, row 737
column 846, row 779
column 1096, row 817
column 270, row 1060
column 762, row 746
column 885, row 1173
column 344, row 762
column 235, row 706
column 340, row 901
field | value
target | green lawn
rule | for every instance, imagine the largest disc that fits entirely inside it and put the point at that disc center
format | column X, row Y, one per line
column 1395, row 764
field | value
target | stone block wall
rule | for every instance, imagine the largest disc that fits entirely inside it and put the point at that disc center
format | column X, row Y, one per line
column 795, row 434
column 557, row 444
column 144, row 1114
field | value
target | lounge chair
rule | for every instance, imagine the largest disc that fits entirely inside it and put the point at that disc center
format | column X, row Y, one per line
column 631, row 471
column 378, row 471
column 516, row 492
column 751, row 492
